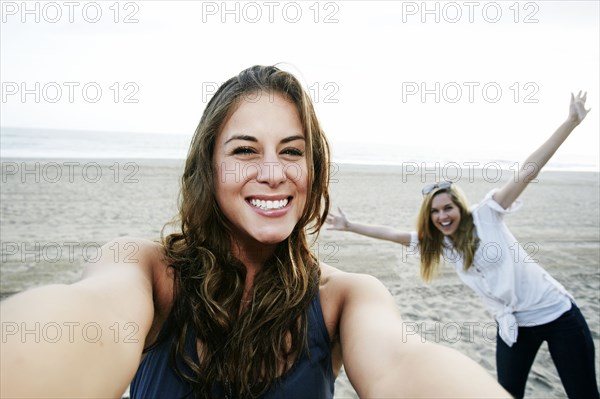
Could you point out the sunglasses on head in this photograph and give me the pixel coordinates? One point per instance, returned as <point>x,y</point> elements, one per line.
<point>430,187</point>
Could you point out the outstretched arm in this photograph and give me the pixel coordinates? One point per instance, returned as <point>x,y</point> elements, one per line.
<point>385,359</point>
<point>536,161</point>
<point>84,339</point>
<point>340,222</point>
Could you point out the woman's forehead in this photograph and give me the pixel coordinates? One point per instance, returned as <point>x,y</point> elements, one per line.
<point>262,116</point>
<point>441,198</point>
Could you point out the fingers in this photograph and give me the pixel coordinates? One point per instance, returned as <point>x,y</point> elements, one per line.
<point>579,97</point>
<point>335,221</point>
<point>578,105</point>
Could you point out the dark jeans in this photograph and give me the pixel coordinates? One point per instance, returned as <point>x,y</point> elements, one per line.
<point>571,348</point>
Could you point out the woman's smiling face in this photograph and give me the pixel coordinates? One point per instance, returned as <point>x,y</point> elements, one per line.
<point>445,214</point>
<point>261,172</point>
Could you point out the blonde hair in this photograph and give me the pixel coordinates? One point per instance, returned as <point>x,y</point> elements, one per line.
<point>431,240</point>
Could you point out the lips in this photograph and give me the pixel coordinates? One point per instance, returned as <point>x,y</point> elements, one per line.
<point>446,227</point>
<point>269,203</point>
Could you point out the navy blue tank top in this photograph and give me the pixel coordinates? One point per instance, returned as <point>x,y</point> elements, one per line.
<point>311,376</point>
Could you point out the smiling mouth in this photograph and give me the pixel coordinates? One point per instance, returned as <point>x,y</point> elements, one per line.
<point>446,224</point>
<point>269,205</point>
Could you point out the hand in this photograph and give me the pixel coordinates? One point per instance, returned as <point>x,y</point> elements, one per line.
<point>337,222</point>
<point>577,111</point>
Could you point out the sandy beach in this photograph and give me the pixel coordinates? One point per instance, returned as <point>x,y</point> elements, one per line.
<point>56,214</point>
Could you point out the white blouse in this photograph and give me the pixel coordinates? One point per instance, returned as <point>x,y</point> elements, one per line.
<point>514,288</point>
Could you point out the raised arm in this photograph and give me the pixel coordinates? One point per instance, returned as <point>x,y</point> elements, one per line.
<point>385,360</point>
<point>340,222</point>
<point>84,339</point>
<point>536,161</point>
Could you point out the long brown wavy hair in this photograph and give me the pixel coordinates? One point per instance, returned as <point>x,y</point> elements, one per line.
<point>431,240</point>
<point>246,350</point>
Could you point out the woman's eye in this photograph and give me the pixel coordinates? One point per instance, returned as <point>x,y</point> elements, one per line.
<point>296,152</point>
<point>243,151</point>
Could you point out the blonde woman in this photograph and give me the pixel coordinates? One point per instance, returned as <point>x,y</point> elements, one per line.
<point>529,305</point>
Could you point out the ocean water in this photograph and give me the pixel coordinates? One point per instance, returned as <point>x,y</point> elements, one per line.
<point>71,144</point>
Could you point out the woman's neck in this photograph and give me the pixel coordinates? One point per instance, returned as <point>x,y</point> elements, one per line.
<point>253,257</point>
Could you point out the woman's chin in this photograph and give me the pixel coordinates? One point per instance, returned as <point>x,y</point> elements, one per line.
<point>272,240</point>
<point>272,237</point>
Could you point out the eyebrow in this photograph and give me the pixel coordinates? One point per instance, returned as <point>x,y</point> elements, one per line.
<point>242,137</point>
<point>293,138</point>
<point>246,137</point>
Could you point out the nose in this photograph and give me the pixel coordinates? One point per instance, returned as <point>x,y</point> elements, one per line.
<point>271,172</point>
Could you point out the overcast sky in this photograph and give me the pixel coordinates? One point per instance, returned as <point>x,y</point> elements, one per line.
<point>491,77</point>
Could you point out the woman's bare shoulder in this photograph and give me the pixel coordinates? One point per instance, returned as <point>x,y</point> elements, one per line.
<point>334,278</point>
<point>135,259</point>
<point>126,251</point>
<point>339,288</point>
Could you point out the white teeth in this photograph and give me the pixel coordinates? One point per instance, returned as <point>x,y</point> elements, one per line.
<point>445,223</point>
<point>268,205</point>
